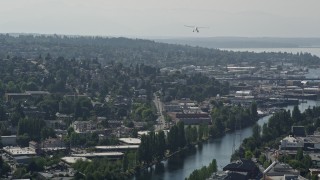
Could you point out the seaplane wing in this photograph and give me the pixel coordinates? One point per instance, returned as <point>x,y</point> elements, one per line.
<point>195,28</point>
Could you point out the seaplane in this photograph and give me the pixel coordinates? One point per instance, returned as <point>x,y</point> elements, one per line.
<point>195,28</point>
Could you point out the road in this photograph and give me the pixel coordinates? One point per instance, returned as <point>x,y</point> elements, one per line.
<point>161,123</point>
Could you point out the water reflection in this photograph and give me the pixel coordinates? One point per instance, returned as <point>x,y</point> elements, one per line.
<point>176,162</point>
<point>159,168</point>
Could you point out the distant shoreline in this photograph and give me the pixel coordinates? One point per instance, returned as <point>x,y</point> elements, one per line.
<point>300,47</point>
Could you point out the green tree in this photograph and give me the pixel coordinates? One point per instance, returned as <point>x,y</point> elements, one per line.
<point>12,88</point>
<point>144,153</point>
<point>188,131</point>
<point>147,115</point>
<point>4,168</point>
<point>19,173</point>
<point>307,161</point>
<point>248,154</point>
<point>296,114</point>
<point>181,134</point>
<point>262,158</point>
<point>299,155</point>
<point>125,162</point>
<point>161,146</point>
<point>200,132</point>
<point>254,111</point>
<point>23,140</point>
<point>3,113</point>
<point>194,134</point>
<point>173,138</point>
<point>36,164</point>
<point>205,172</point>
<point>256,132</point>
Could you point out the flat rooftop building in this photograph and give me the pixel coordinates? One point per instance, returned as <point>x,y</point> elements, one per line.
<point>111,155</point>
<point>130,141</point>
<point>72,160</point>
<point>18,151</point>
<point>140,133</point>
<point>120,147</point>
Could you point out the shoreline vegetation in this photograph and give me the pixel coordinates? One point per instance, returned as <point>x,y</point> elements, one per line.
<point>279,126</point>
<point>205,172</point>
<point>139,169</point>
<point>193,136</point>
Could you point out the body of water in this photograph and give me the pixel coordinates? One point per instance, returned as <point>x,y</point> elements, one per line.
<point>313,51</point>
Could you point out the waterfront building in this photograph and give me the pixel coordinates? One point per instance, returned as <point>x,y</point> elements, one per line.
<point>243,166</point>
<point>291,143</point>
<point>298,139</point>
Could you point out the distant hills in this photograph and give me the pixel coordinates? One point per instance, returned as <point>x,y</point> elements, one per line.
<point>140,51</point>
<point>244,42</point>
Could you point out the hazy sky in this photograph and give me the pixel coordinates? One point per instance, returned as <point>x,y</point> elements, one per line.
<point>277,18</point>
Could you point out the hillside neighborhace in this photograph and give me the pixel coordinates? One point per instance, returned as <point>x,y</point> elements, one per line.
<point>82,107</point>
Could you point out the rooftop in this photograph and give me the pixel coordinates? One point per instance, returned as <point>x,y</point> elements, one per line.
<point>72,160</point>
<point>37,92</point>
<point>117,147</point>
<point>18,151</point>
<point>143,133</point>
<point>98,154</point>
<point>281,169</point>
<point>12,136</point>
<point>130,140</point>
<point>241,165</point>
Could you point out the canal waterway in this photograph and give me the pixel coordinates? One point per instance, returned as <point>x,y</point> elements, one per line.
<point>219,149</point>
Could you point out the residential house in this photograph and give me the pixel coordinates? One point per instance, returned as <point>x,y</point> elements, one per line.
<point>84,126</point>
<point>243,166</point>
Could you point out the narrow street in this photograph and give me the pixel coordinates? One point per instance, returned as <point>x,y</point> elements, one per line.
<point>161,123</point>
